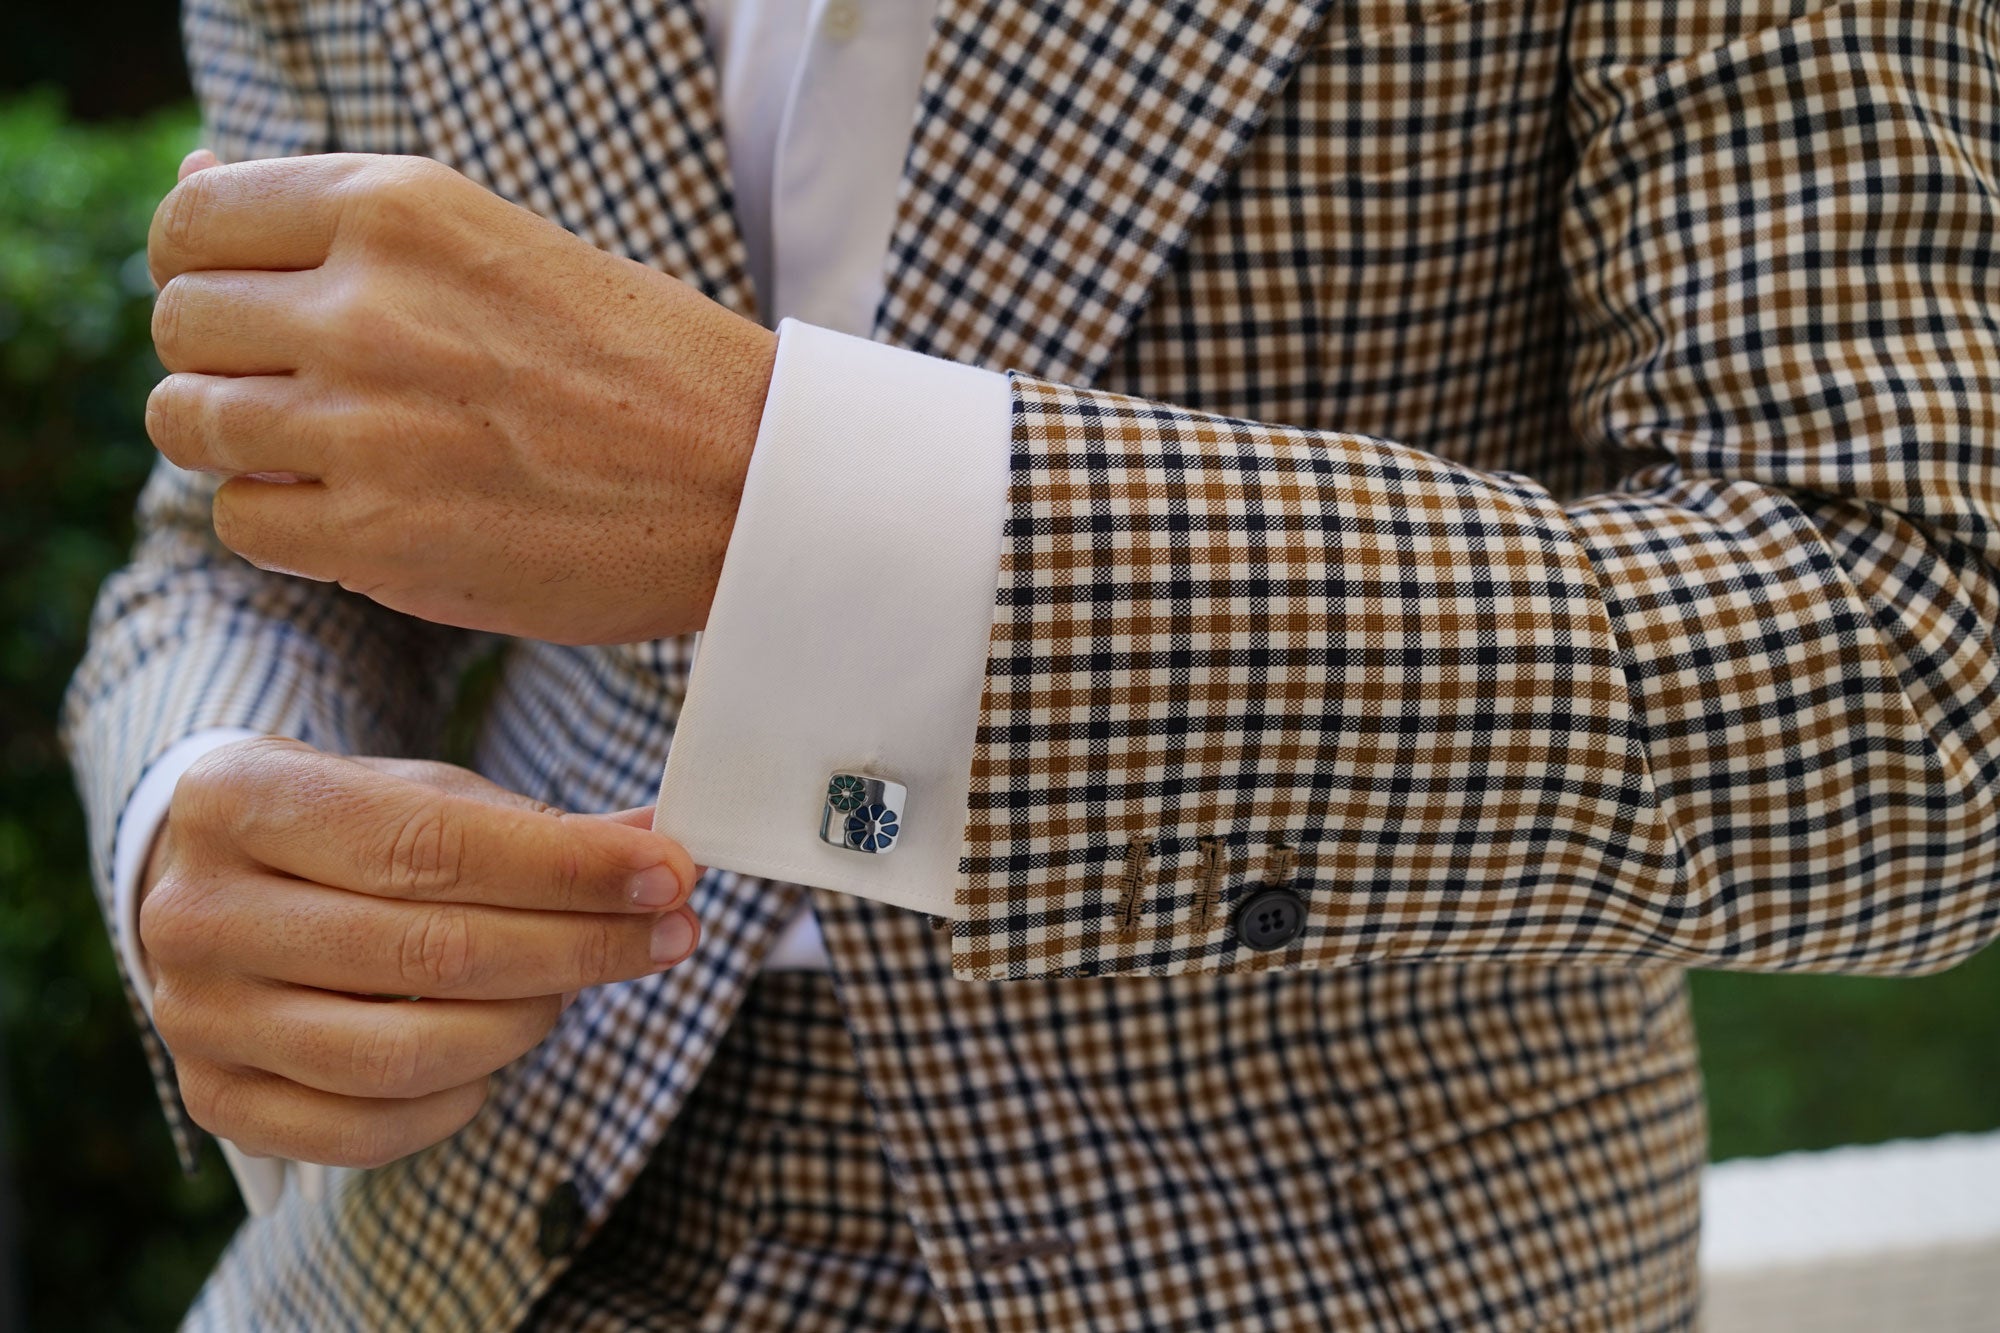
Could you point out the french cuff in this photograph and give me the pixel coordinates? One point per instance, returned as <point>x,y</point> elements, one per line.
<point>827,734</point>
<point>261,1180</point>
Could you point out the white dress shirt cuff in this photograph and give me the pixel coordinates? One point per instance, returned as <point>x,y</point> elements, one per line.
<point>850,625</point>
<point>261,1180</point>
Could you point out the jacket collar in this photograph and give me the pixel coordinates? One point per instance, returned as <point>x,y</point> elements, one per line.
<point>1062,149</point>
<point>604,115</point>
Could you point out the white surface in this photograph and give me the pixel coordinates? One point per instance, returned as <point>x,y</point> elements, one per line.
<point>818,100</point>
<point>850,626</point>
<point>1851,1202</point>
<point>1902,1236</point>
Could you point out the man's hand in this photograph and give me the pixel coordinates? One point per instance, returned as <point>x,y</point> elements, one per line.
<point>439,399</point>
<point>291,891</point>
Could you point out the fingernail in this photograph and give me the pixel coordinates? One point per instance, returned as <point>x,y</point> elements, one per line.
<point>672,938</point>
<point>655,886</point>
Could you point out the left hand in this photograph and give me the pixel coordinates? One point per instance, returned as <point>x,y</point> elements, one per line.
<point>443,401</point>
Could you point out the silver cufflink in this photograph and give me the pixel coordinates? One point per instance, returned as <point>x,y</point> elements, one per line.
<point>862,814</point>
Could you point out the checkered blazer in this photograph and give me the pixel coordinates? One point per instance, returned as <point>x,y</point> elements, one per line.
<point>1522,471</point>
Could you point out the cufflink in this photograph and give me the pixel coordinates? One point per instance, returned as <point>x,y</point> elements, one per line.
<point>862,814</point>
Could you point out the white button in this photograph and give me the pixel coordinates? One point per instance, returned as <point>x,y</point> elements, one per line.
<point>841,20</point>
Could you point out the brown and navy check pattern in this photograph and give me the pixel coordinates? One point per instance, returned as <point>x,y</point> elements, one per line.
<point>768,1204</point>
<point>1736,709</point>
<point>1518,470</point>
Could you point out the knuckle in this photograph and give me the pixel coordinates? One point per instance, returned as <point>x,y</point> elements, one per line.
<point>363,1141</point>
<point>216,790</point>
<point>567,864</point>
<point>426,853</point>
<point>351,316</point>
<point>596,953</point>
<point>389,1059</point>
<point>173,923</point>
<point>411,176</point>
<point>179,215</point>
<point>166,412</point>
<point>214,1099</point>
<point>173,1016</point>
<point>205,790</point>
<point>539,1019</point>
<point>175,421</point>
<point>170,319</point>
<point>234,528</point>
<point>392,194</point>
<point>473,1101</point>
<point>435,955</point>
<point>223,799</point>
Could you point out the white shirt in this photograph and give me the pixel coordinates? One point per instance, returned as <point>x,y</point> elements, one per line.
<point>808,665</point>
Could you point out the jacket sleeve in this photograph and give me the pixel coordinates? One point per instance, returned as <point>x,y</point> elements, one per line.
<point>1740,712</point>
<point>188,636</point>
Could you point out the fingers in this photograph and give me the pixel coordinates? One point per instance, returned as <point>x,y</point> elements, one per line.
<point>334,822</point>
<point>268,1116</point>
<point>230,425</point>
<point>266,926</point>
<point>233,322</point>
<point>267,518</point>
<point>352,1047</point>
<point>279,213</point>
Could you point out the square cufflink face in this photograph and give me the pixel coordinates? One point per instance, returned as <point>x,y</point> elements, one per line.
<point>862,813</point>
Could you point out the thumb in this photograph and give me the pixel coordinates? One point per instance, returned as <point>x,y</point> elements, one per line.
<point>199,160</point>
<point>641,816</point>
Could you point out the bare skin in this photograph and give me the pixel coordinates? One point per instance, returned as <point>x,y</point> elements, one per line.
<point>289,890</point>
<point>437,399</point>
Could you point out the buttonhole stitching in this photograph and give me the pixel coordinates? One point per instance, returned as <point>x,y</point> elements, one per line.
<point>1284,864</point>
<point>1136,853</point>
<point>1210,895</point>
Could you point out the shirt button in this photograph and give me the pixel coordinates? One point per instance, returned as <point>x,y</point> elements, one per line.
<point>841,20</point>
<point>1270,919</point>
<point>561,1221</point>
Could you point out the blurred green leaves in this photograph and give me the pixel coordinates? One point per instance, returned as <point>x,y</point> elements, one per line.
<point>1800,1063</point>
<point>113,1238</point>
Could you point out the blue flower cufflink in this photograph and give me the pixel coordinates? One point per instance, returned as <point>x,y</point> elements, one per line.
<point>862,814</point>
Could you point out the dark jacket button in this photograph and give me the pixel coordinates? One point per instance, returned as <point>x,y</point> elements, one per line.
<point>561,1221</point>
<point>1270,919</point>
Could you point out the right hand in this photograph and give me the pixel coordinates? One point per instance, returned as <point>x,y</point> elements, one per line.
<point>290,890</point>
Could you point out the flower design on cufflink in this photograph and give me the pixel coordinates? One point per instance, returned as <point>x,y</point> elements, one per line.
<point>862,813</point>
<point>846,792</point>
<point>872,828</point>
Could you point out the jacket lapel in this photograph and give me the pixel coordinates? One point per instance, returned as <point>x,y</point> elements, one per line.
<point>604,115</point>
<point>1062,151</point>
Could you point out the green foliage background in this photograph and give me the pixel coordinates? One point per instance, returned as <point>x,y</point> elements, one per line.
<point>112,1237</point>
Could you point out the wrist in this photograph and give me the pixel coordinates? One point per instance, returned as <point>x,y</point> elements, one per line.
<point>728,421</point>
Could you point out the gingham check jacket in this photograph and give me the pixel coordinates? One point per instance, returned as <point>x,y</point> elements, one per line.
<point>1533,461</point>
